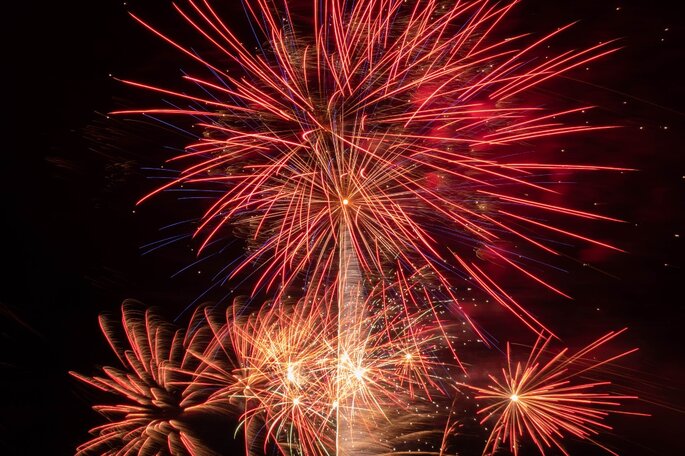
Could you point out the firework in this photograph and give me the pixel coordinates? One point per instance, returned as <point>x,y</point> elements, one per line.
<point>368,164</point>
<point>307,391</point>
<point>389,124</point>
<point>156,406</point>
<point>544,401</point>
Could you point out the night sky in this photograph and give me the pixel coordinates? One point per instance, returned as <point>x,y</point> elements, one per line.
<point>75,241</point>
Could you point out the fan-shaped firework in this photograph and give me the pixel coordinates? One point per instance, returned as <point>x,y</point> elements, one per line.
<point>392,121</point>
<point>301,386</point>
<point>544,401</point>
<point>156,403</point>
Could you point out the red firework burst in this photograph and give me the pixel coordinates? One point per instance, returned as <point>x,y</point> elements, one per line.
<point>391,123</point>
<point>546,401</point>
<point>152,417</point>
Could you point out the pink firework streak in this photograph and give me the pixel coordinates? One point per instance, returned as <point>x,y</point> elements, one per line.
<point>391,121</point>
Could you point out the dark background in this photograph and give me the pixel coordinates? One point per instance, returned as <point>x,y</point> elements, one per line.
<point>72,234</point>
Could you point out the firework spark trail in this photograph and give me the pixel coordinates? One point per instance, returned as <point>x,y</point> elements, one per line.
<point>158,400</point>
<point>544,401</point>
<point>352,326</point>
<point>351,127</point>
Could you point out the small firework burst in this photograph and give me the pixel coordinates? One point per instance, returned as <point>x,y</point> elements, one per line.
<point>152,416</point>
<point>544,401</point>
<point>302,388</point>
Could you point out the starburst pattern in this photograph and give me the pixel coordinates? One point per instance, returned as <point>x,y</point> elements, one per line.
<point>284,366</point>
<point>544,401</point>
<point>392,121</point>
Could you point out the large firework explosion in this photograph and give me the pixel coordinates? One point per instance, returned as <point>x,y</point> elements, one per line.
<point>372,161</point>
<point>392,125</point>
